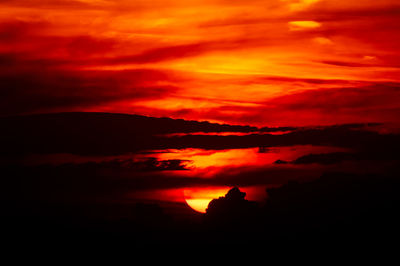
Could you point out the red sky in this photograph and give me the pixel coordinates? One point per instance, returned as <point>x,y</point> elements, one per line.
<point>267,63</point>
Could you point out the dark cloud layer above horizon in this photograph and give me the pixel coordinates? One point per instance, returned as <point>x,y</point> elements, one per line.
<point>102,134</point>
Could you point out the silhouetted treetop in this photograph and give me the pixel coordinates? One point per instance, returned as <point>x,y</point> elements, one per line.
<point>235,194</point>
<point>231,209</point>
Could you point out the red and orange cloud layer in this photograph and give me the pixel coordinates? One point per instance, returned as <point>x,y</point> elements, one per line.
<point>275,62</point>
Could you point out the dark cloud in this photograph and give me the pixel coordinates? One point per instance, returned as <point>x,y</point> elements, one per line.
<point>60,50</point>
<point>373,152</point>
<point>355,104</point>
<point>163,53</point>
<point>328,13</point>
<point>325,100</point>
<point>113,134</point>
<point>325,158</point>
<point>147,164</point>
<point>46,73</point>
<point>346,64</point>
<point>17,30</point>
<point>387,63</point>
<point>44,89</point>
<point>172,52</point>
<point>290,80</point>
<point>101,133</point>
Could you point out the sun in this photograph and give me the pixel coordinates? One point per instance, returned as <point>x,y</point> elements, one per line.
<point>199,198</point>
<point>199,205</point>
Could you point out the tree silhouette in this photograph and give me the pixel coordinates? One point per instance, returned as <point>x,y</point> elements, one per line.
<point>232,210</point>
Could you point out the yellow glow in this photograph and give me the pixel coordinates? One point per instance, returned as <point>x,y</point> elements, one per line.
<point>204,159</point>
<point>225,63</point>
<point>199,205</point>
<point>199,198</point>
<point>303,25</point>
<point>298,5</point>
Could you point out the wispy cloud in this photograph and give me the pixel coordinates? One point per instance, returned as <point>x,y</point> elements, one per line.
<point>201,60</point>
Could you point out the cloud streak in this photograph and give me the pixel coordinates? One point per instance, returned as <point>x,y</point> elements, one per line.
<point>257,63</point>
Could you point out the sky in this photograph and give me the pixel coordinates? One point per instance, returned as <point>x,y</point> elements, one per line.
<point>135,116</point>
<point>263,63</point>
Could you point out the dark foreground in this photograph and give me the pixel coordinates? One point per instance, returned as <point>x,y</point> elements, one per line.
<point>82,202</point>
<point>337,208</point>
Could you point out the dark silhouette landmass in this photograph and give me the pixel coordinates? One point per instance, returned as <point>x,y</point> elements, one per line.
<point>336,208</point>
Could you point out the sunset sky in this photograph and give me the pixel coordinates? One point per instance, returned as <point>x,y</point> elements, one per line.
<point>229,121</point>
<point>264,63</point>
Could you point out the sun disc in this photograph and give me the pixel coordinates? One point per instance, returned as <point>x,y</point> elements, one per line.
<point>199,198</point>
<point>199,205</point>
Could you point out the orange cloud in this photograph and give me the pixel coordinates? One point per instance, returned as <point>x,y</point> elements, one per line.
<point>216,60</point>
